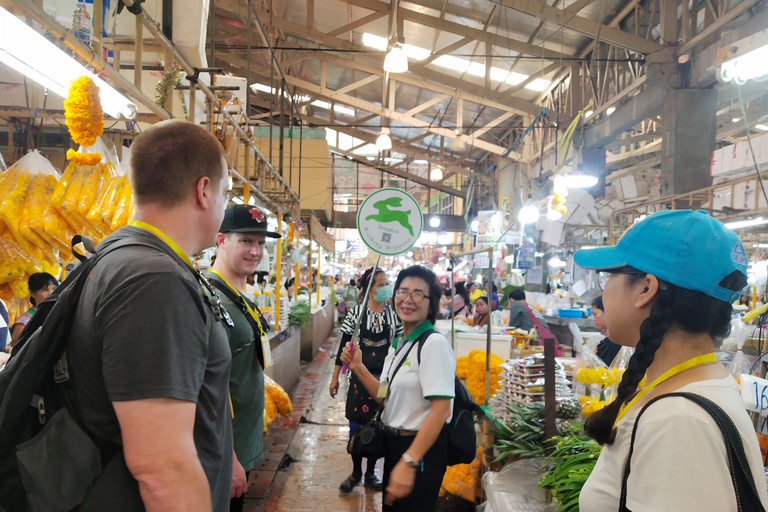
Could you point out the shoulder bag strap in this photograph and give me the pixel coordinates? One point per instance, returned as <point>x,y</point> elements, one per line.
<point>422,340</point>
<point>747,498</point>
<point>392,378</point>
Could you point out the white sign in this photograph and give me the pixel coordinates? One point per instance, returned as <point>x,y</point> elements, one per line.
<point>754,393</point>
<point>534,275</point>
<point>390,221</point>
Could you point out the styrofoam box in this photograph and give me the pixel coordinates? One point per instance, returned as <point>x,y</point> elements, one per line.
<point>467,341</point>
<point>716,166</point>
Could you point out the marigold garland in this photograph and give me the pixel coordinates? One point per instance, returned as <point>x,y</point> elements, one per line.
<point>83,113</point>
<point>77,159</point>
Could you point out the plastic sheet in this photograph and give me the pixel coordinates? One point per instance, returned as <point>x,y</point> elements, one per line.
<point>516,487</point>
<point>740,363</point>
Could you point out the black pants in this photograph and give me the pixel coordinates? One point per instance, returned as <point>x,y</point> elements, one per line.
<point>426,487</point>
<point>236,504</point>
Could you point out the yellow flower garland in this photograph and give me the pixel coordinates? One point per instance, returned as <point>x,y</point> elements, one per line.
<point>76,158</point>
<point>83,113</point>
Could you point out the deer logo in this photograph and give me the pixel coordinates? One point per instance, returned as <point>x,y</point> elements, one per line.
<point>387,215</point>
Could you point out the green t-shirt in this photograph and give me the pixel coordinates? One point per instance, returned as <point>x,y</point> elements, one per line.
<point>246,385</point>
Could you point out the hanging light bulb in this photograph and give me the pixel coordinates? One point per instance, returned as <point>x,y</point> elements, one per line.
<point>554,214</point>
<point>458,143</point>
<point>436,174</point>
<point>396,61</point>
<point>475,225</point>
<point>434,221</point>
<point>383,141</point>
<point>529,214</point>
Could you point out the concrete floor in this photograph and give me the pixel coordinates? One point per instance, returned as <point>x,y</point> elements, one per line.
<point>305,455</point>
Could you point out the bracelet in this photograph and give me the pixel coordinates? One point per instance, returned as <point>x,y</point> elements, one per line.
<point>411,463</point>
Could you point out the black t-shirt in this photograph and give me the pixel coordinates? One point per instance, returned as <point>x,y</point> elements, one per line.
<point>144,330</point>
<point>607,350</point>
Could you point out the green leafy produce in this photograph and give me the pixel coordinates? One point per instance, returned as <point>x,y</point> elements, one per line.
<point>299,314</point>
<point>569,466</point>
<point>523,435</point>
<point>568,408</point>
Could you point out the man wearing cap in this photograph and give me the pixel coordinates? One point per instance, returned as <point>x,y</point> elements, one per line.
<point>240,243</point>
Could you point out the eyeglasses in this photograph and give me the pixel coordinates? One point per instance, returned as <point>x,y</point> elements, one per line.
<point>604,275</point>
<point>417,296</point>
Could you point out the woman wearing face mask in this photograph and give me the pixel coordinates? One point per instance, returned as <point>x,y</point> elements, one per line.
<point>668,287</point>
<point>378,328</point>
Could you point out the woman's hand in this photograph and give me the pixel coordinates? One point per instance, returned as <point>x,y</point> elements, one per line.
<point>334,386</point>
<point>352,356</point>
<point>400,482</point>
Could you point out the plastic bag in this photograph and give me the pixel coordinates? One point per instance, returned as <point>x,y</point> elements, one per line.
<point>81,185</point>
<point>740,363</point>
<point>516,487</point>
<point>461,479</point>
<point>25,203</point>
<point>617,368</point>
<point>116,205</point>
<point>278,396</point>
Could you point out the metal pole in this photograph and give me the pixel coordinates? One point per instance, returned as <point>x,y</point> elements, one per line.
<point>488,329</point>
<point>453,293</point>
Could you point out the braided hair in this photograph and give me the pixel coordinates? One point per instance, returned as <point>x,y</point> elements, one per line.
<point>691,311</point>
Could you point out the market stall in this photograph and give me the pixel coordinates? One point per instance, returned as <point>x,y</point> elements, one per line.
<point>321,321</point>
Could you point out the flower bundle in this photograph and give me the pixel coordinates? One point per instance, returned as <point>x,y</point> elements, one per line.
<point>471,368</point>
<point>83,113</point>
<point>462,479</point>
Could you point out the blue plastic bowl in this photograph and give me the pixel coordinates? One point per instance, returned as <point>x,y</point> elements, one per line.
<point>570,313</point>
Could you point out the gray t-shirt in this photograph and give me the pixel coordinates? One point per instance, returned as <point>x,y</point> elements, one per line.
<point>144,330</point>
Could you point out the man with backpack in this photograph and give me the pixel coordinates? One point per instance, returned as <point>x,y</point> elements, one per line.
<point>145,422</point>
<point>240,243</point>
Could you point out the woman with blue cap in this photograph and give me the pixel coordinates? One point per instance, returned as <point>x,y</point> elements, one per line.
<point>684,441</point>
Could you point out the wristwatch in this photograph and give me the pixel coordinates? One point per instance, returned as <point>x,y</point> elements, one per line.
<point>408,460</point>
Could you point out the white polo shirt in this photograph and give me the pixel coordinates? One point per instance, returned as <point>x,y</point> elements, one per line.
<point>679,461</point>
<point>413,385</point>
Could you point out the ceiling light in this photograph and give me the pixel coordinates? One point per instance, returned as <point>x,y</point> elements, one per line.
<point>434,221</point>
<point>475,225</point>
<point>735,119</point>
<point>529,214</point>
<point>761,127</point>
<point>31,54</point>
<point>436,174</point>
<point>458,143</point>
<point>588,114</point>
<point>556,262</point>
<point>578,180</point>
<point>383,141</point>
<point>746,223</point>
<point>396,61</point>
<point>509,259</point>
<point>610,110</point>
<point>744,60</point>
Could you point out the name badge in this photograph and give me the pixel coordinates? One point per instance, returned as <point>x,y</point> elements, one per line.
<point>267,351</point>
<point>383,388</point>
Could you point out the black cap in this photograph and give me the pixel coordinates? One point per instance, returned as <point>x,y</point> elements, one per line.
<point>243,218</point>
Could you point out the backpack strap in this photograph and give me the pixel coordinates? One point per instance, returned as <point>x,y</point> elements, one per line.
<point>747,498</point>
<point>422,340</point>
<point>240,301</point>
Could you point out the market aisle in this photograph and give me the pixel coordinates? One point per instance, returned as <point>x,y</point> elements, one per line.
<point>313,441</point>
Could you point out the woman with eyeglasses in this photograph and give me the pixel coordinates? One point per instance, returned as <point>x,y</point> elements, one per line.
<point>378,328</point>
<point>418,381</point>
<point>673,445</point>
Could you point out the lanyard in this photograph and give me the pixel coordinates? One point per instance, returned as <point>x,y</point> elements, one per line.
<point>165,238</point>
<point>687,365</point>
<point>247,306</point>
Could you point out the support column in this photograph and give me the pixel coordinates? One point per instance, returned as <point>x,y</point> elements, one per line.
<point>690,125</point>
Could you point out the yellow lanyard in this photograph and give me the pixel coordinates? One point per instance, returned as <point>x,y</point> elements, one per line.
<point>247,306</point>
<point>165,238</point>
<point>687,365</point>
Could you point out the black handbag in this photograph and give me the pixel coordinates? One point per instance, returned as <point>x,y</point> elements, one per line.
<point>368,441</point>
<point>747,497</point>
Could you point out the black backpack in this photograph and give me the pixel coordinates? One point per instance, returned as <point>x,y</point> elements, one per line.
<point>461,436</point>
<point>32,402</point>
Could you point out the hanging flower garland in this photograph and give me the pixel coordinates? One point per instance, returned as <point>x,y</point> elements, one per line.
<point>83,113</point>
<point>76,158</point>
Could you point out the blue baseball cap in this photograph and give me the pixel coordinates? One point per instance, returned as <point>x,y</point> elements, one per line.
<point>686,248</point>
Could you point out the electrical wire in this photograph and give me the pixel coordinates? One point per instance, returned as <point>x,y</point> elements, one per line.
<point>749,140</point>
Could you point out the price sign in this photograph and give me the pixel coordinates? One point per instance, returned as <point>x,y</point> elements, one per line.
<point>754,393</point>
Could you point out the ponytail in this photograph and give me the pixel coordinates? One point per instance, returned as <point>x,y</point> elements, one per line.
<point>691,311</point>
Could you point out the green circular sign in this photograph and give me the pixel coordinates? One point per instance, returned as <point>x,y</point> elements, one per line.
<point>390,221</point>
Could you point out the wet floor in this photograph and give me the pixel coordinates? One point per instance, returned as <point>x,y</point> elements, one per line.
<point>305,455</point>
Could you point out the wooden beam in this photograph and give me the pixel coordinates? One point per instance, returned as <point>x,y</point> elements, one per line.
<point>356,24</point>
<point>448,49</point>
<point>717,25</point>
<point>358,84</point>
<point>434,101</point>
<point>584,26</point>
